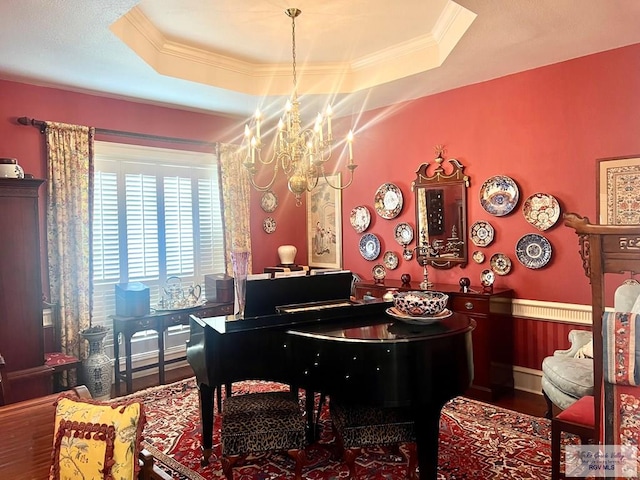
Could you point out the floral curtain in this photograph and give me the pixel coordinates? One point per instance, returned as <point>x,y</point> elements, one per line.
<point>236,194</point>
<point>69,204</point>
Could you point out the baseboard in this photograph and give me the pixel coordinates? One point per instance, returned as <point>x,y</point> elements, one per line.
<point>527,380</point>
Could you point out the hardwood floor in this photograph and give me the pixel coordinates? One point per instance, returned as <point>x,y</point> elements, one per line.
<point>519,401</point>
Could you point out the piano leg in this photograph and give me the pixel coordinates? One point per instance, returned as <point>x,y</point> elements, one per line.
<point>427,425</point>
<point>206,420</point>
<point>309,404</point>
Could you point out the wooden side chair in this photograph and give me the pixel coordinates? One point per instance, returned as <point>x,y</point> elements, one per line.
<point>357,426</point>
<point>5,396</point>
<point>59,361</point>
<point>261,422</point>
<point>578,419</point>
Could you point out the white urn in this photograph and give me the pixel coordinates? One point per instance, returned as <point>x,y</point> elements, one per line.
<point>287,254</point>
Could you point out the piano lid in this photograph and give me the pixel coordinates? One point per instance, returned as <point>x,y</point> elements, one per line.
<point>265,295</point>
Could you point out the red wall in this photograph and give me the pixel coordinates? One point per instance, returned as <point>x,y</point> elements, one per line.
<point>545,128</point>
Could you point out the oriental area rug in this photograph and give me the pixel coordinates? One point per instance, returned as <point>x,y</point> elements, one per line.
<point>478,441</point>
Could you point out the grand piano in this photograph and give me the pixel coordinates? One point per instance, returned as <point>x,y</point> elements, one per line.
<point>305,332</point>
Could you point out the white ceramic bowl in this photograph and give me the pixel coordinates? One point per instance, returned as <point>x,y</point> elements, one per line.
<point>421,303</point>
<point>9,168</point>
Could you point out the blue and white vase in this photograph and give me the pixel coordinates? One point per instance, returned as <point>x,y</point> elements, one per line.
<point>96,368</point>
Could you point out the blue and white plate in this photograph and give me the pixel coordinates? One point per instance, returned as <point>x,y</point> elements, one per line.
<point>500,263</point>
<point>369,246</point>
<point>533,251</point>
<point>499,195</point>
<point>481,233</point>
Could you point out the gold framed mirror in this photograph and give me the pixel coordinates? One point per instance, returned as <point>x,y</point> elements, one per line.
<point>441,213</point>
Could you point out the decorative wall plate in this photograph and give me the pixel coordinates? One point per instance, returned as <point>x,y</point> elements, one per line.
<point>390,260</point>
<point>403,233</point>
<point>499,195</point>
<point>369,246</point>
<point>481,233</point>
<point>407,253</point>
<point>269,201</point>
<point>487,277</point>
<point>388,201</point>
<point>533,251</point>
<point>478,256</point>
<point>500,263</point>
<point>360,218</point>
<point>378,271</point>
<point>541,210</point>
<point>269,225</point>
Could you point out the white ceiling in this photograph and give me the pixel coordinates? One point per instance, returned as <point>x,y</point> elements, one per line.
<point>231,56</point>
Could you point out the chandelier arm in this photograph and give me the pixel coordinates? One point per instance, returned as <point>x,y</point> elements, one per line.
<point>312,180</point>
<point>264,188</point>
<point>274,155</point>
<point>336,187</point>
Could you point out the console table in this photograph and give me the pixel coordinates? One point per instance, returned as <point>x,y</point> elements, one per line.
<point>159,322</point>
<point>492,337</point>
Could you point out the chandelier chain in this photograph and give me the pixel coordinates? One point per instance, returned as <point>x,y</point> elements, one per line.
<point>300,151</point>
<point>293,54</point>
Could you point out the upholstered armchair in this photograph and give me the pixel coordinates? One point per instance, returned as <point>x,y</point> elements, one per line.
<point>567,375</point>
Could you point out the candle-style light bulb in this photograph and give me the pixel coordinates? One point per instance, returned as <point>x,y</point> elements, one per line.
<point>350,142</point>
<point>287,109</point>
<point>253,150</point>
<point>310,150</point>
<point>280,129</point>
<point>258,116</point>
<point>318,127</point>
<point>329,113</point>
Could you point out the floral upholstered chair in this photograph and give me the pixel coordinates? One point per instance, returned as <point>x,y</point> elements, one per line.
<point>567,375</point>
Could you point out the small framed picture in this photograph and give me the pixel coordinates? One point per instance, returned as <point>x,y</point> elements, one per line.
<point>618,186</point>
<point>324,224</point>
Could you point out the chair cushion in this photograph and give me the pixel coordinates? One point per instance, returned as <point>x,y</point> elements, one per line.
<point>54,359</point>
<point>581,412</point>
<point>360,426</point>
<point>96,440</point>
<point>260,422</point>
<point>572,376</point>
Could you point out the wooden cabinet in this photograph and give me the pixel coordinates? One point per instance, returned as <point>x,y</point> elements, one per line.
<point>492,338</point>
<point>21,332</point>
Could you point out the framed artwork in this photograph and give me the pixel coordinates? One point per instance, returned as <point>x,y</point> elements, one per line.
<point>619,191</point>
<point>324,224</point>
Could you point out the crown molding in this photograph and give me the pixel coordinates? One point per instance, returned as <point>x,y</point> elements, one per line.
<point>188,62</point>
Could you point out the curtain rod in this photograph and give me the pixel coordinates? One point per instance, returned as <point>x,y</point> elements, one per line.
<point>41,124</point>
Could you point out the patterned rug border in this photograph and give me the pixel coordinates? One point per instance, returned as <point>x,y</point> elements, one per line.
<point>172,464</point>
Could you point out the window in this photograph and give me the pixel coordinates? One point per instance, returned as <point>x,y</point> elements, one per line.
<point>157,215</point>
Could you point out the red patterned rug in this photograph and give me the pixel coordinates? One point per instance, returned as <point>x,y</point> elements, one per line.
<point>477,441</point>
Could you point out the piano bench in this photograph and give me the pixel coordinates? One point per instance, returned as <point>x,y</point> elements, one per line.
<point>261,422</point>
<point>358,426</point>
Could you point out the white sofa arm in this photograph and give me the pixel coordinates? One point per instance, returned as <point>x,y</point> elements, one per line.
<point>578,339</point>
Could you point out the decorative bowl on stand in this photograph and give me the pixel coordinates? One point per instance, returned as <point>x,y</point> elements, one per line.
<point>420,303</point>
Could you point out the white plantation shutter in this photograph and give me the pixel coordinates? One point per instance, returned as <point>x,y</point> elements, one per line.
<point>141,213</point>
<point>179,222</point>
<point>210,241</point>
<point>157,214</point>
<point>105,227</point>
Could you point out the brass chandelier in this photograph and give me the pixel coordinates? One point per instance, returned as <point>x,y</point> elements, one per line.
<point>301,152</point>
